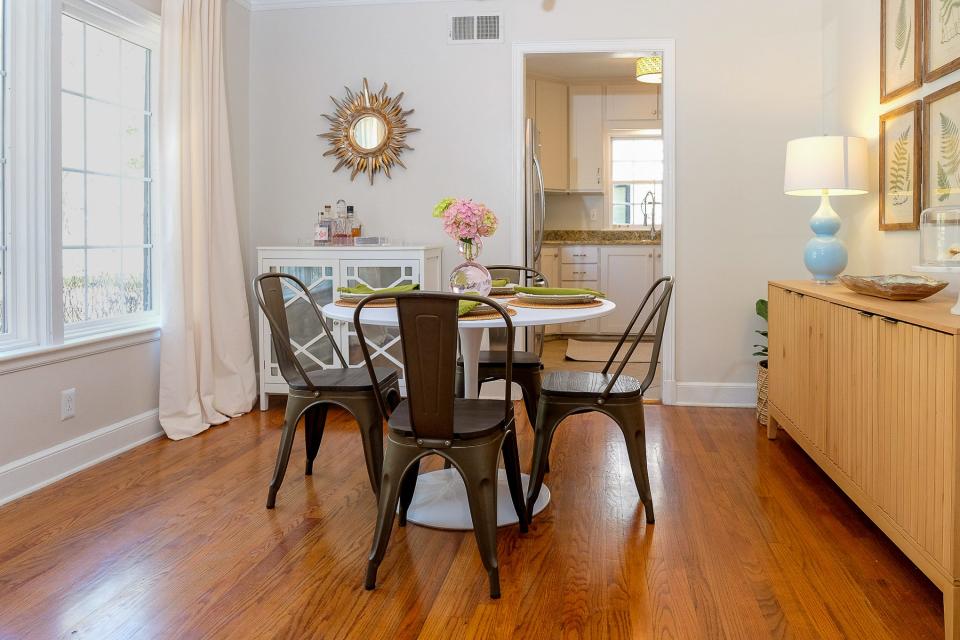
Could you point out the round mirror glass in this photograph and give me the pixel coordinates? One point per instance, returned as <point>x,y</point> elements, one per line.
<point>368,132</point>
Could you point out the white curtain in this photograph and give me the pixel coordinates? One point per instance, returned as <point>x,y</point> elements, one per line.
<point>207,363</point>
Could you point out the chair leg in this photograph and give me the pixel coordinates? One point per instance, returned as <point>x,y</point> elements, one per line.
<point>529,381</point>
<point>368,417</point>
<point>407,487</point>
<point>478,466</point>
<point>314,421</point>
<point>631,422</point>
<point>459,384</point>
<point>548,419</point>
<point>511,463</point>
<point>295,407</point>
<point>395,463</point>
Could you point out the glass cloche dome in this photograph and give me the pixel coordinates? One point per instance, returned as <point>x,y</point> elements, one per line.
<point>940,236</point>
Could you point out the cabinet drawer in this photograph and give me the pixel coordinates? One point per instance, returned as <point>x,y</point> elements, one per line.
<point>578,272</point>
<point>578,255</point>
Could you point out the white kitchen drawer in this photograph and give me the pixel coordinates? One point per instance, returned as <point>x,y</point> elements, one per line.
<point>579,255</point>
<point>579,272</point>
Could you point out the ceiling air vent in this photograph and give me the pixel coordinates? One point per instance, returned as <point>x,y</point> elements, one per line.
<point>472,29</point>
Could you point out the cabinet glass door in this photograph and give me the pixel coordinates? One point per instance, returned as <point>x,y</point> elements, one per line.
<point>309,343</point>
<point>383,342</point>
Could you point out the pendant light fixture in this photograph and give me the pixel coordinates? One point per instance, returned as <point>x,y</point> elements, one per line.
<point>650,69</point>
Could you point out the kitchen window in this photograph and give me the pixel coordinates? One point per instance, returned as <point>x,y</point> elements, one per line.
<point>636,179</point>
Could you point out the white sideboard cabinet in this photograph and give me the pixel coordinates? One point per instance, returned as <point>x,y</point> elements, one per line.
<point>323,270</point>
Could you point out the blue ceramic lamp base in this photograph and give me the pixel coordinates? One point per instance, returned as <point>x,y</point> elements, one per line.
<point>825,255</point>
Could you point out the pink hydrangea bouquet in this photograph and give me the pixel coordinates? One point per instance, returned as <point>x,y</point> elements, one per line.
<point>465,220</point>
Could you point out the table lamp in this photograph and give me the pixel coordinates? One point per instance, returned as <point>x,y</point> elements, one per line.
<point>826,166</point>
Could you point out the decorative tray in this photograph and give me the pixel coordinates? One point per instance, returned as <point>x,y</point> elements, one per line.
<point>894,287</point>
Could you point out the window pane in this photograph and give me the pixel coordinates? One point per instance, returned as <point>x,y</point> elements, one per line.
<point>71,70</point>
<point>637,159</point>
<point>71,131</point>
<point>105,297</point>
<point>102,65</point>
<point>133,76</point>
<point>103,211</point>
<point>134,277</point>
<point>621,193</point>
<point>73,207</point>
<point>132,212</point>
<point>621,214</point>
<point>103,133</point>
<point>74,276</point>
<point>133,142</point>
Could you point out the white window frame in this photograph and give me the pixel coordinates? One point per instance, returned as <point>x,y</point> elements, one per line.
<point>33,169</point>
<point>611,134</point>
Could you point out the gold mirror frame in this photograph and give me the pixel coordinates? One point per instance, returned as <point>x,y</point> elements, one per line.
<point>352,109</point>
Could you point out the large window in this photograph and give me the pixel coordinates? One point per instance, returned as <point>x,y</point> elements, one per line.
<point>106,181</point>
<point>636,171</point>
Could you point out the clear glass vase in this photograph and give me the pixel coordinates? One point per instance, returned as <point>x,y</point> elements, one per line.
<point>470,276</point>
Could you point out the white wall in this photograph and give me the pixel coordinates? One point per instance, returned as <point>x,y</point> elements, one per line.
<point>748,79</point>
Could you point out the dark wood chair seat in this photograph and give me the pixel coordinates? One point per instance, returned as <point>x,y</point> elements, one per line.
<point>351,379</point>
<point>589,384</point>
<point>471,418</point>
<point>498,358</point>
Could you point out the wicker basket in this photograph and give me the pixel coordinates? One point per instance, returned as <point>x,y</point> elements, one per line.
<point>763,373</point>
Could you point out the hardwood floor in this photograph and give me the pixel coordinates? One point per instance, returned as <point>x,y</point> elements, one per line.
<point>172,540</point>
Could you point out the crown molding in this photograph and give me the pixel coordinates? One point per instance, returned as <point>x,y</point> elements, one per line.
<point>270,5</point>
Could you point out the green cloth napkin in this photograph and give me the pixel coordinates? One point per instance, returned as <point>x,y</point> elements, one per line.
<point>500,282</point>
<point>555,291</point>
<point>362,288</point>
<point>466,306</point>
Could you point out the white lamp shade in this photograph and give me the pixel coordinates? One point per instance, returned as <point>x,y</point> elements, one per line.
<point>826,165</point>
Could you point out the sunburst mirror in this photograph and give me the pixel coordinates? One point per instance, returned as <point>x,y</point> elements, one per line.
<point>368,132</point>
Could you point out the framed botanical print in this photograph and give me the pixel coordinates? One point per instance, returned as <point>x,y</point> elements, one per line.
<point>900,50</point>
<point>900,137</point>
<point>941,147</point>
<point>941,38</point>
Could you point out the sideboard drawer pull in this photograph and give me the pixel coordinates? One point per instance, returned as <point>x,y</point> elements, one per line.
<point>890,320</point>
<point>866,314</point>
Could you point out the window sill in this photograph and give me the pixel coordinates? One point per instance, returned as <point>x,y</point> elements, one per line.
<point>40,356</point>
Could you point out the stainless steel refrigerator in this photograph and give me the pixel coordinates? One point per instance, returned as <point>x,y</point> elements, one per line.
<point>535,212</point>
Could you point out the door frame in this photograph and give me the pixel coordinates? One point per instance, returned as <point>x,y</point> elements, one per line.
<point>668,117</point>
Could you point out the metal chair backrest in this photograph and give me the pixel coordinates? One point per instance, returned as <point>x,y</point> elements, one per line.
<point>523,276</point>
<point>660,310</point>
<point>428,336</point>
<point>268,288</point>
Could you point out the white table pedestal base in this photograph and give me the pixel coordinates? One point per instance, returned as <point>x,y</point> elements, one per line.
<point>440,501</point>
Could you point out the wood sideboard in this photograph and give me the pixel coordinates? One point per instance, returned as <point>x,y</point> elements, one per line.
<point>868,388</point>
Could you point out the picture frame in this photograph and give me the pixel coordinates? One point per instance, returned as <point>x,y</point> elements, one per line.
<point>941,37</point>
<point>901,50</point>
<point>901,137</point>
<point>941,147</point>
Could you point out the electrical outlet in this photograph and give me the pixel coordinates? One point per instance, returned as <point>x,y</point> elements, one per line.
<point>593,214</point>
<point>68,404</point>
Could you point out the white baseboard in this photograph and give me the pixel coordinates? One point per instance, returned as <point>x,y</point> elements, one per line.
<point>23,476</point>
<point>715,394</point>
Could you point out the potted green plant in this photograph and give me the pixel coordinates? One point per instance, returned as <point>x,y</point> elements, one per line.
<point>762,370</point>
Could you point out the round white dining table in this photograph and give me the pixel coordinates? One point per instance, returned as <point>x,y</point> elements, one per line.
<point>440,500</point>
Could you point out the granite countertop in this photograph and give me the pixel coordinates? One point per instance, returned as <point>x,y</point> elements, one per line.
<point>556,238</point>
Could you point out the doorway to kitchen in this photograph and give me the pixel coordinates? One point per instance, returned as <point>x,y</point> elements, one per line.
<point>597,121</point>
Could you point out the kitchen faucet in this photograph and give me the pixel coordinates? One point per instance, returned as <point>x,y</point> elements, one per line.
<point>650,198</point>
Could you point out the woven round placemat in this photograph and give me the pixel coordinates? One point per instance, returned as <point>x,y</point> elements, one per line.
<point>492,314</point>
<point>387,302</point>
<point>517,302</point>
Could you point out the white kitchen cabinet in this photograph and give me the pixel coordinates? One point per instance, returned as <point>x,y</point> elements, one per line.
<point>552,125</point>
<point>626,273</point>
<point>586,138</point>
<point>323,270</point>
<point>550,268</point>
<point>632,101</point>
